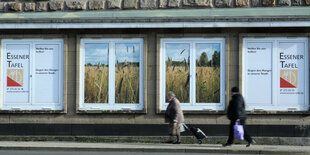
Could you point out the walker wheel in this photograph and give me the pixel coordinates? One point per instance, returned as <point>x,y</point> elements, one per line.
<point>199,141</point>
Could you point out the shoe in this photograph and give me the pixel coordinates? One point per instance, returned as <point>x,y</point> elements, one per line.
<point>176,142</point>
<point>251,143</point>
<point>227,144</point>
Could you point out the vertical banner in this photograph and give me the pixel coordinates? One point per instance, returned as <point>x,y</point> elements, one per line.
<point>47,73</point>
<point>17,69</point>
<point>292,73</point>
<point>258,73</point>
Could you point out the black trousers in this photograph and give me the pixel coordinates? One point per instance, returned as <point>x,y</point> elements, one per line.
<point>231,132</point>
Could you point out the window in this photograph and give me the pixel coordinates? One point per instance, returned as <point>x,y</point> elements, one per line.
<point>276,74</point>
<point>32,74</point>
<point>194,69</point>
<point>111,76</point>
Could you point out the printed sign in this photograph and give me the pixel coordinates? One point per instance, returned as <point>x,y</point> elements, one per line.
<point>17,73</point>
<point>258,70</point>
<point>275,73</point>
<point>292,72</point>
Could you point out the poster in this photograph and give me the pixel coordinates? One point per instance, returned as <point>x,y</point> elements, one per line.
<point>292,73</point>
<point>33,72</point>
<point>275,72</point>
<point>17,63</point>
<point>258,73</point>
<point>46,73</point>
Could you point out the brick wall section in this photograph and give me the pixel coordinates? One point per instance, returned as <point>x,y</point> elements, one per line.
<point>91,5</point>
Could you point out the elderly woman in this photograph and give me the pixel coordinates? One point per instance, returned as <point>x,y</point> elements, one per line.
<point>174,116</point>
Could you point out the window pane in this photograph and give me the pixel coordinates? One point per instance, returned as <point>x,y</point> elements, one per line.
<point>18,73</point>
<point>208,73</point>
<point>96,81</point>
<point>127,76</point>
<point>47,73</point>
<point>177,70</point>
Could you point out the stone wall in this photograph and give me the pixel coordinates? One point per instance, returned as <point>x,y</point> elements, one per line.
<point>91,5</point>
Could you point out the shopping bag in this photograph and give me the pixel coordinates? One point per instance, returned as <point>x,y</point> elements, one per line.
<point>238,131</point>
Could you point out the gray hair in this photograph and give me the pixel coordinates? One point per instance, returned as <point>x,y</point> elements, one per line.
<point>170,94</point>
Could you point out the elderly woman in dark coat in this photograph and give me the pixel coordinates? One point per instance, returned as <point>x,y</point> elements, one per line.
<point>174,116</point>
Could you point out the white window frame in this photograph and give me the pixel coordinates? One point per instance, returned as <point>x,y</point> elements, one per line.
<point>274,105</point>
<point>192,106</point>
<point>32,104</point>
<point>111,105</point>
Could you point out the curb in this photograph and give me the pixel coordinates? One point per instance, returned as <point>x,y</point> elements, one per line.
<point>136,147</point>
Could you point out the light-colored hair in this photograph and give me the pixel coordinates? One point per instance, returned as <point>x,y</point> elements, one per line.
<point>170,94</point>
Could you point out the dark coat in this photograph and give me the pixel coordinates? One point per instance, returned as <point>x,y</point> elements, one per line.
<point>174,111</point>
<point>236,108</point>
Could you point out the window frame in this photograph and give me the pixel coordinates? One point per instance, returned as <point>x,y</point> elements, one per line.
<point>274,105</point>
<point>192,106</point>
<point>34,107</point>
<point>111,106</point>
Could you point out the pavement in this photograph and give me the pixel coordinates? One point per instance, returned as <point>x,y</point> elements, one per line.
<point>156,147</point>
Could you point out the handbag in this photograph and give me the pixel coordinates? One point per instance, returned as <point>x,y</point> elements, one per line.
<point>238,131</point>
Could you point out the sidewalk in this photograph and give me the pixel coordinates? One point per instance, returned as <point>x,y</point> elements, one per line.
<point>142,147</point>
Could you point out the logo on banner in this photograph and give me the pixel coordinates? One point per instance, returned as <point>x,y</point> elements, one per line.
<point>288,78</point>
<point>15,77</point>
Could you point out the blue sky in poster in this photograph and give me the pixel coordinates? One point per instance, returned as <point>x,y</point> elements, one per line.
<point>128,52</point>
<point>174,51</point>
<point>209,48</point>
<point>96,53</point>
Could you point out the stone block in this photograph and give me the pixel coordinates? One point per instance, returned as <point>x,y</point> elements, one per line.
<point>41,6</point>
<point>242,3</point>
<point>198,3</point>
<point>268,3</point>
<point>148,4</point>
<point>114,4</point>
<point>30,7</point>
<point>56,5</point>
<point>130,4</point>
<point>297,2</point>
<point>163,3</point>
<point>255,3</point>
<point>284,2</point>
<point>174,3</point>
<point>2,6</point>
<point>76,4</point>
<point>16,7</point>
<point>96,4</point>
<point>223,3</point>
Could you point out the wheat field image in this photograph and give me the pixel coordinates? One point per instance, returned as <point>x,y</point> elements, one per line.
<point>207,72</point>
<point>96,76</point>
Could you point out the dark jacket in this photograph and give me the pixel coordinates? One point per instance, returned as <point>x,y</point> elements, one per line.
<point>236,108</point>
<point>174,111</point>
